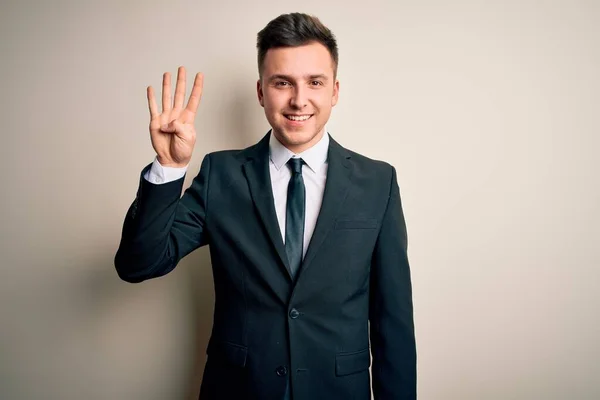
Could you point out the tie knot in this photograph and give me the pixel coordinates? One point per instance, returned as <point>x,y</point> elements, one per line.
<point>296,165</point>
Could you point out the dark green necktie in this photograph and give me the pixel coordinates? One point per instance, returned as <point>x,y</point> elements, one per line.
<point>294,220</point>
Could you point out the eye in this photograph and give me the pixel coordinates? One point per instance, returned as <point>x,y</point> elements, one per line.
<point>282,83</point>
<point>316,83</point>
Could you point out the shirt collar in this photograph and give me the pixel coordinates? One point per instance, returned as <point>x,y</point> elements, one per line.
<point>314,157</point>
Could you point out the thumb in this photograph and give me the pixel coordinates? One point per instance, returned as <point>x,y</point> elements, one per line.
<point>171,127</point>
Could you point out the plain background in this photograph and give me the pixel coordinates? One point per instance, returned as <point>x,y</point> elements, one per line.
<point>488,110</point>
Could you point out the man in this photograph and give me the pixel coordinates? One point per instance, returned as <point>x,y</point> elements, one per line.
<point>307,239</point>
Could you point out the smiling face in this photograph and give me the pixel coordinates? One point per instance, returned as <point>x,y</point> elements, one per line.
<point>298,89</point>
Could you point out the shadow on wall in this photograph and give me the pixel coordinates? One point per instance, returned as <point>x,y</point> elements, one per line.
<point>243,126</point>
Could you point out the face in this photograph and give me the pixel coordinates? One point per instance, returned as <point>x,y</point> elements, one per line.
<point>298,91</point>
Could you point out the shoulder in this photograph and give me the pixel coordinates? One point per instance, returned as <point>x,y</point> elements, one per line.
<point>370,168</point>
<point>223,155</point>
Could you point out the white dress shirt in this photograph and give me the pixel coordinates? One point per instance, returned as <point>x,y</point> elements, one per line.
<point>314,173</point>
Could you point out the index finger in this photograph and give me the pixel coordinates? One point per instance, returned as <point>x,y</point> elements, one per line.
<point>196,94</point>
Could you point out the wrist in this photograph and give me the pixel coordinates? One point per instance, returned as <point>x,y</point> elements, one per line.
<point>171,164</point>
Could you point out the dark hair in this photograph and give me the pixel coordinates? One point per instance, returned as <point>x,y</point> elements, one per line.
<point>292,30</point>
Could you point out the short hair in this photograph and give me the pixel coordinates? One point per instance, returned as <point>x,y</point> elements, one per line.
<point>293,30</point>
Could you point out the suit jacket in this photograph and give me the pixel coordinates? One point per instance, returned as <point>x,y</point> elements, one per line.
<point>269,328</point>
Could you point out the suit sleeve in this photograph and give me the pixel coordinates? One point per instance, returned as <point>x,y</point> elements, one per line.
<point>390,308</point>
<point>161,226</point>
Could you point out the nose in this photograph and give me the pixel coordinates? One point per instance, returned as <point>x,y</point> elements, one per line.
<point>298,99</point>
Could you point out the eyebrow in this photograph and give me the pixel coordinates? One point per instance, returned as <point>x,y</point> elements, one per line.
<point>289,78</point>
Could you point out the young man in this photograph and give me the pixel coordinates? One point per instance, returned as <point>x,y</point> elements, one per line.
<point>307,239</point>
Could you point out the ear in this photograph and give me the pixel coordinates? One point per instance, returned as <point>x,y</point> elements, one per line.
<point>259,93</point>
<point>336,93</point>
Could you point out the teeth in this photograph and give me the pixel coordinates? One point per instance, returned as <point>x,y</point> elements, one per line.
<point>298,117</point>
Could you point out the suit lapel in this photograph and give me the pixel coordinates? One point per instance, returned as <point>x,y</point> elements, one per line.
<point>339,173</point>
<point>256,170</point>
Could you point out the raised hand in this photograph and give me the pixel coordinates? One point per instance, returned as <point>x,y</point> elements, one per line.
<point>172,132</point>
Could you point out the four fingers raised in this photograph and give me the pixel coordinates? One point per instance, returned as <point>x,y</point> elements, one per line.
<point>193,101</point>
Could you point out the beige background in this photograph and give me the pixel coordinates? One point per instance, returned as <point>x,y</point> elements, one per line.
<point>488,110</point>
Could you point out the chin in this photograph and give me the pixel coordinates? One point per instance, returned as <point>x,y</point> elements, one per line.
<point>297,138</point>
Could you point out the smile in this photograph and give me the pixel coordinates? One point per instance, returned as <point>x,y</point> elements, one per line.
<point>298,117</point>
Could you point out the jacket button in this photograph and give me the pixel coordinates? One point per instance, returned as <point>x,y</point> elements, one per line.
<point>281,371</point>
<point>294,313</point>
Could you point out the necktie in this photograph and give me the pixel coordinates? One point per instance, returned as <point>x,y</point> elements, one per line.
<point>294,220</point>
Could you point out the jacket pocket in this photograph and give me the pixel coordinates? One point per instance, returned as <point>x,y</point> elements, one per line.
<point>233,353</point>
<point>350,363</point>
<point>356,224</point>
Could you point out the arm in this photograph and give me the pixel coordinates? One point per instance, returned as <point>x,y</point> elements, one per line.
<point>390,309</point>
<point>161,228</point>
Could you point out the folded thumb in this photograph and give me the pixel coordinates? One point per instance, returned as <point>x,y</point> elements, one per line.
<point>170,127</point>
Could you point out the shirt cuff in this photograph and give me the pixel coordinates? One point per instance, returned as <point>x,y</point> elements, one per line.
<point>157,174</point>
